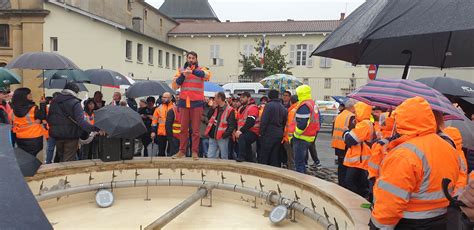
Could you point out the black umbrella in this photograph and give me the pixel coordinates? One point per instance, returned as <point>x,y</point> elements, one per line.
<point>466,127</point>
<point>449,86</point>
<point>119,122</point>
<point>405,32</point>
<point>59,84</point>
<point>20,210</point>
<point>148,88</point>
<point>28,163</point>
<point>41,61</point>
<point>107,78</point>
<point>74,75</point>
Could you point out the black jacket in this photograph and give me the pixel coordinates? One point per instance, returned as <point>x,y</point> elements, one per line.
<point>63,108</point>
<point>169,123</point>
<point>231,122</point>
<point>273,121</point>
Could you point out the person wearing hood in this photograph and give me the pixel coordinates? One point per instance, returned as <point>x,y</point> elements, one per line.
<point>272,128</point>
<point>26,120</point>
<point>408,193</point>
<point>248,127</point>
<point>307,126</point>
<point>158,125</point>
<point>67,123</point>
<point>358,154</point>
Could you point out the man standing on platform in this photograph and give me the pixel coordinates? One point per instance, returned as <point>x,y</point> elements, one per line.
<point>190,79</point>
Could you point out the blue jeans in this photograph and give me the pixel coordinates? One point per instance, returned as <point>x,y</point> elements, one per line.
<point>203,147</point>
<point>222,145</point>
<point>50,150</point>
<point>300,149</point>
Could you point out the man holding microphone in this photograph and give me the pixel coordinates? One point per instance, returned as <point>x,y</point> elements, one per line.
<point>190,79</point>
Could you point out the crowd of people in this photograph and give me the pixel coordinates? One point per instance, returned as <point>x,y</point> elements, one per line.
<point>395,159</point>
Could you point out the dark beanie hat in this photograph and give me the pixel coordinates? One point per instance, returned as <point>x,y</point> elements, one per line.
<point>72,86</point>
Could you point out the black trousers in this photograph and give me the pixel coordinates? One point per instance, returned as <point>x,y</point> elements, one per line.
<point>245,146</point>
<point>30,145</point>
<point>173,145</point>
<point>356,181</point>
<point>341,168</point>
<point>146,140</point>
<point>162,142</point>
<point>90,151</point>
<point>313,153</point>
<point>435,223</point>
<point>269,153</point>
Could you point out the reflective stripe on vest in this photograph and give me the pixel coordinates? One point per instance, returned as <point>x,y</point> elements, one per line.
<point>356,159</point>
<point>223,124</point>
<point>243,117</point>
<point>381,226</point>
<point>423,194</point>
<point>373,165</point>
<point>424,214</point>
<point>176,123</point>
<point>309,133</point>
<point>25,127</point>
<point>338,131</point>
<point>192,88</point>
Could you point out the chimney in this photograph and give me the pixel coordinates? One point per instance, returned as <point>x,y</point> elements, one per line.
<point>343,16</point>
<point>227,20</point>
<point>290,20</point>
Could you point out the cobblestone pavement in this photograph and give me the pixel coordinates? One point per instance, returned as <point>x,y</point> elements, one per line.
<point>328,169</point>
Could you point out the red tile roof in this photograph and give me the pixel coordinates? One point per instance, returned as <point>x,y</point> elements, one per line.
<point>255,27</point>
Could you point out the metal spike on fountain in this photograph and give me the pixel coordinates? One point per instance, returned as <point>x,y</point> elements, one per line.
<point>242,181</point>
<point>90,178</point>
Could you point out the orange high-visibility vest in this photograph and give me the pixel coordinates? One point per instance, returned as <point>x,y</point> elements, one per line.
<point>341,124</point>
<point>26,127</point>
<point>252,108</point>
<point>290,123</point>
<point>378,150</point>
<point>176,122</point>
<point>409,185</point>
<point>159,118</point>
<point>358,156</point>
<point>309,133</point>
<point>192,88</point>
<point>88,118</point>
<point>222,123</point>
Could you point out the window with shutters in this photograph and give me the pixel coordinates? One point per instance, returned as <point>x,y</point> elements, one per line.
<point>174,61</point>
<point>248,49</point>
<point>4,35</point>
<point>179,62</point>
<point>150,55</point>
<point>167,60</point>
<point>215,56</point>
<point>327,83</point>
<point>139,53</point>
<point>301,54</point>
<point>324,62</point>
<point>160,58</point>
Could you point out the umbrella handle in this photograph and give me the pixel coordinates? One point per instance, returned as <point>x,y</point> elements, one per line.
<point>407,65</point>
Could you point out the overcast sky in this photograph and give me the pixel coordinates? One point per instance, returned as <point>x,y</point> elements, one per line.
<point>265,10</point>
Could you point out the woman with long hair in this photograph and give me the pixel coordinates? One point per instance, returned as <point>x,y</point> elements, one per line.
<point>26,120</point>
<point>90,151</point>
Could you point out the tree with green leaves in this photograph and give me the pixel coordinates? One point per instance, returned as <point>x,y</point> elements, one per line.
<point>275,62</point>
